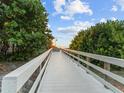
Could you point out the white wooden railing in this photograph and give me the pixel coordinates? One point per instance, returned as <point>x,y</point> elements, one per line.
<point>107,61</point>
<point>14,81</point>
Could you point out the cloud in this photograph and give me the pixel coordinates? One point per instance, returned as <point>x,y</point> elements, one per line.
<point>76,27</point>
<point>44,3</point>
<point>68,33</point>
<point>71,8</point>
<point>113,19</point>
<point>114,8</point>
<point>78,7</point>
<point>93,19</point>
<point>103,20</point>
<point>58,5</point>
<point>119,4</point>
<point>49,26</point>
<point>66,18</point>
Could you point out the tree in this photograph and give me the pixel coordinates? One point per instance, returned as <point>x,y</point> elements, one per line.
<point>23,29</point>
<point>102,39</point>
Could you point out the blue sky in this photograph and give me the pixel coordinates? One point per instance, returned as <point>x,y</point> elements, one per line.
<point>68,17</point>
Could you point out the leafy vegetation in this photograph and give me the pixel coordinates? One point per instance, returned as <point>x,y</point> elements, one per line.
<point>23,29</point>
<point>103,38</point>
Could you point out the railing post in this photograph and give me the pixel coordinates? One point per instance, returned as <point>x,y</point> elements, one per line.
<point>107,67</point>
<point>88,60</point>
<point>40,67</point>
<point>78,57</point>
<point>72,58</point>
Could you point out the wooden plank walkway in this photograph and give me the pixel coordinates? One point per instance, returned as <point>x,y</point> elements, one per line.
<point>64,76</point>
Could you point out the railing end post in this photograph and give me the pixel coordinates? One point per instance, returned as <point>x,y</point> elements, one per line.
<point>9,85</point>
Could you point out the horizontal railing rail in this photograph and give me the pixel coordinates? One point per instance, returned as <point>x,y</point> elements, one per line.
<point>106,59</point>
<point>105,70</point>
<point>15,80</point>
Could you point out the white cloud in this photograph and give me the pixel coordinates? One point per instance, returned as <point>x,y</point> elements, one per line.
<point>67,18</point>
<point>71,7</point>
<point>120,3</point>
<point>68,33</point>
<point>76,27</point>
<point>93,19</point>
<point>103,20</point>
<point>49,26</point>
<point>44,3</point>
<point>78,7</point>
<point>58,5</point>
<point>114,8</point>
<point>113,19</point>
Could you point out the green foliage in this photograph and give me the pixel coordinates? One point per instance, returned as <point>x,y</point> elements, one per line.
<point>103,38</point>
<point>23,29</point>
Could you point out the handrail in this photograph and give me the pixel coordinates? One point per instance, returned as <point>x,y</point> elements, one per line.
<point>110,60</point>
<point>103,71</point>
<point>15,80</point>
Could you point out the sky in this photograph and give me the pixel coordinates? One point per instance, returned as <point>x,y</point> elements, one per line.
<point>68,17</point>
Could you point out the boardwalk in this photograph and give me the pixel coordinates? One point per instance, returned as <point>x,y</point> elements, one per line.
<point>64,76</point>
